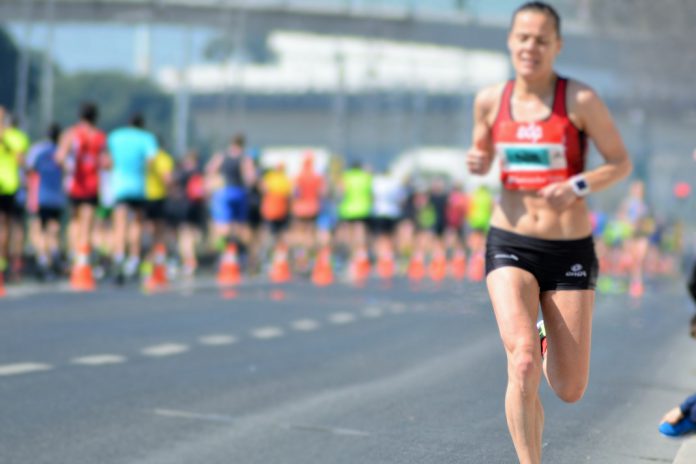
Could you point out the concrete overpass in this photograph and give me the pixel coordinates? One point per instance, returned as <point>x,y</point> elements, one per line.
<point>454,28</point>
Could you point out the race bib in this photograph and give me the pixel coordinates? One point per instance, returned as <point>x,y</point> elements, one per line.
<point>531,156</point>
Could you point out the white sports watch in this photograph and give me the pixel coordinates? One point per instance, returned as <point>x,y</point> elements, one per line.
<point>580,185</point>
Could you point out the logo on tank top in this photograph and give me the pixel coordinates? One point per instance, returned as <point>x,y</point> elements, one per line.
<point>531,132</point>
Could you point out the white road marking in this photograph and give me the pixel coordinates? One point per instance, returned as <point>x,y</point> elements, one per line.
<point>23,368</point>
<point>325,429</point>
<point>191,415</point>
<point>217,340</point>
<point>305,325</point>
<point>265,333</point>
<point>398,309</point>
<point>99,360</point>
<point>341,318</point>
<point>372,312</point>
<point>286,426</point>
<point>166,349</point>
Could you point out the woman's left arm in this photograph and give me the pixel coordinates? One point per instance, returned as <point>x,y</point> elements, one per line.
<point>589,113</point>
<point>596,121</point>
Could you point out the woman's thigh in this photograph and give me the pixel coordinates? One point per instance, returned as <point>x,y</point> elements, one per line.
<point>568,322</point>
<point>514,293</point>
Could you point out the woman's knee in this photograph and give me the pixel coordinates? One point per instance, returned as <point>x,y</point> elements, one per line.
<point>525,367</point>
<point>570,390</point>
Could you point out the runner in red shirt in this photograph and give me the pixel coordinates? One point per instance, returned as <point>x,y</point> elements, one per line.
<point>81,154</point>
<point>539,249</point>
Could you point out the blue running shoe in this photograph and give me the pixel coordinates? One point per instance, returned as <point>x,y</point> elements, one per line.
<point>681,428</point>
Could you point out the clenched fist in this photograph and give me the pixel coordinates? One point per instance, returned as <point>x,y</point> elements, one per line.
<point>560,195</point>
<point>478,161</point>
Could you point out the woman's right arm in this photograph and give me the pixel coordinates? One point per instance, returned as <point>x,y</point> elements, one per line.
<point>480,156</point>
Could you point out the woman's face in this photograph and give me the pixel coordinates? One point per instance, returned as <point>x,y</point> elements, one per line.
<point>533,44</point>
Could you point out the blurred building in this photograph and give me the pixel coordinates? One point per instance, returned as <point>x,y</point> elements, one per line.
<point>377,79</point>
<point>361,97</point>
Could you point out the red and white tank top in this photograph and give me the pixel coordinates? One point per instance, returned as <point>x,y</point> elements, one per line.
<point>535,154</point>
<point>87,145</point>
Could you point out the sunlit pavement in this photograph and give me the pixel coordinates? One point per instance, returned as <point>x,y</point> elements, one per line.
<point>297,374</point>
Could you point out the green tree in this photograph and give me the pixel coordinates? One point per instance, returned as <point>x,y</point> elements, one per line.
<point>10,57</point>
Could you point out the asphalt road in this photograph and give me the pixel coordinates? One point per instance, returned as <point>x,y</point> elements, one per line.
<point>305,375</point>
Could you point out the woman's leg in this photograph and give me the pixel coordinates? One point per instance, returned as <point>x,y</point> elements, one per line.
<point>568,322</point>
<point>514,293</point>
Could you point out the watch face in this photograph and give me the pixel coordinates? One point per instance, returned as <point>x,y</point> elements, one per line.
<point>582,184</point>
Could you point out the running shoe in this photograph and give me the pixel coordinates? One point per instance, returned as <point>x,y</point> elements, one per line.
<point>542,337</point>
<point>681,428</point>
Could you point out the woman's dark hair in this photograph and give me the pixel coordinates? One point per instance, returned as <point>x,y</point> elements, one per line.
<point>540,7</point>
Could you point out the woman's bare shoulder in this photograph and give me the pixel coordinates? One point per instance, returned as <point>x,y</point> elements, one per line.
<point>488,100</point>
<point>580,94</point>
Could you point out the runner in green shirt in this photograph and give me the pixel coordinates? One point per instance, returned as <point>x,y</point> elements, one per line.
<point>13,145</point>
<point>354,212</point>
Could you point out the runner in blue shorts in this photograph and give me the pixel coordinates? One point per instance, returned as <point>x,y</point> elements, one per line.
<point>233,172</point>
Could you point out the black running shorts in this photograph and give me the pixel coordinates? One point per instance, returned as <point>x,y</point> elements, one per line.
<point>556,264</point>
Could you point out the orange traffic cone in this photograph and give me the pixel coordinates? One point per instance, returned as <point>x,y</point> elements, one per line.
<point>81,277</point>
<point>157,280</point>
<point>416,268</point>
<point>636,289</point>
<point>438,266</point>
<point>459,264</point>
<point>360,267</point>
<point>280,267</point>
<point>229,272</point>
<point>322,275</point>
<point>625,263</point>
<point>477,267</point>
<point>385,264</point>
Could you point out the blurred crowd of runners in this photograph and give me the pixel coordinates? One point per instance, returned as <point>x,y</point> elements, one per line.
<point>112,204</point>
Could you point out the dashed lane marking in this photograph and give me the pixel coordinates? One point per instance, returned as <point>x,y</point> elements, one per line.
<point>221,418</point>
<point>166,349</point>
<point>266,333</point>
<point>217,340</point>
<point>372,312</point>
<point>398,309</point>
<point>341,318</point>
<point>99,360</point>
<point>170,349</point>
<point>23,368</point>
<point>305,325</point>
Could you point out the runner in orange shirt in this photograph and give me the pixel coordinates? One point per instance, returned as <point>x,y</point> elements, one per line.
<point>310,188</point>
<point>276,190</point>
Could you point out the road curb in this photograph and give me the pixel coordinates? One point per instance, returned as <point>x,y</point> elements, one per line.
<point>687,452</point>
